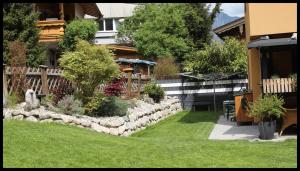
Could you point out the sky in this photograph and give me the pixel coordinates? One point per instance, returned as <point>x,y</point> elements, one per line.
<point>232,9</point>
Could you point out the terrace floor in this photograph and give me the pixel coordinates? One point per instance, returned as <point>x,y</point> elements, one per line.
<point>228,130</point>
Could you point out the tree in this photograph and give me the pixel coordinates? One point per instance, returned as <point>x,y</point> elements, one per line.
<point>19,24</point>
<point>215,57</point>
<point>82,29</point>
<point>88,66</point>
<point>165,30</point>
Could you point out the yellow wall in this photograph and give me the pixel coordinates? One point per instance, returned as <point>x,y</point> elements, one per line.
<point>271,18</point>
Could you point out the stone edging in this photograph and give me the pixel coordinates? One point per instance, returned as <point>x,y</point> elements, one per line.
<point>138,118</point>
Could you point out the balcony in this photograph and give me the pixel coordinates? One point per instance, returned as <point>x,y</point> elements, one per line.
<point>278,85</point>
<point>51,30</point>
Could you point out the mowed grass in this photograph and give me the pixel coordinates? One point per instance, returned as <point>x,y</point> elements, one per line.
<point>179,141</point>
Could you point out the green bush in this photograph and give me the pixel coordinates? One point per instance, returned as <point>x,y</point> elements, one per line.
<point>12,100</point>
<point>154,91</point>
<point>78,29</point>
<point>102,105</point>
<point>69,105</point>
<point>88,66</point>
<point>267,108</point>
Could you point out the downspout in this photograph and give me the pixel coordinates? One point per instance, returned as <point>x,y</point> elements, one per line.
<point>261,72</point>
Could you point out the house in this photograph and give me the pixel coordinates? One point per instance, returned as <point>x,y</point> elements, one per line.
<point>53,19</point>
<point>125,55</point>
<point>113,14</point>
<point>271,36</point>
<point>234,28</point>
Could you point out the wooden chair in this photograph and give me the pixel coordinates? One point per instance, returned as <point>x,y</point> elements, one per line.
<point>289,119</point>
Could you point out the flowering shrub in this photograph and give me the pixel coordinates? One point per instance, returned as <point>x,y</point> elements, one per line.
<point>62,90</point>
<point>114,88</point>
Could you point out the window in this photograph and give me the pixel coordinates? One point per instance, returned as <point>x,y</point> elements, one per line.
<point>101,25</point>
<point>109,24</point>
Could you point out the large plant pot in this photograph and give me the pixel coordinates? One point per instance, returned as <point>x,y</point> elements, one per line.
<point>266,129</point>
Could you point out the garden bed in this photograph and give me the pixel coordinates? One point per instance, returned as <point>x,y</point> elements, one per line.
<point>137,118</point>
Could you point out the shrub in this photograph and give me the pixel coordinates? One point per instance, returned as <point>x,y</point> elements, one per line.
<point>154,91</point>
<point>166,68</point>
<point>62,90</point>
<point>82,29</point>
<point>88,66</point>
<point>69,105</point>
<point>12,100</point>
<point>102,105</point>
<point>92,108</point>
<point>114,88</point>
<point>267,108</point>
<point>47,100</point>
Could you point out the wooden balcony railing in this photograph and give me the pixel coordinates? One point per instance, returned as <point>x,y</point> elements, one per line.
<point>51,30</point>
<point>278,85</point>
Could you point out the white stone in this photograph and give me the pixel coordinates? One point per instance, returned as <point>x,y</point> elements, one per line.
<point>32,119</point>
<point>66,118</point>
<point>113,131</point>
<point>121,129</point>
<point>18,117</point>
<point>7,115</point>
<point>43,116</point>
<point>31,100</point>
<point>85,122</point>
<point>46,120</point>
<point>97,127</point>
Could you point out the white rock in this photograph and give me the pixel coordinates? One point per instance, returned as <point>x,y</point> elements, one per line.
<point>66,118</point>
<point>113,131</point>
<point>121,129</point>
<point>97,127</point>
<point>31,100</point>
<point>32,119</point>
<point>18,117</point>
<point>7,115</point>
<point>85,122</point>
<point>43,116</point>
<point>46,120</point>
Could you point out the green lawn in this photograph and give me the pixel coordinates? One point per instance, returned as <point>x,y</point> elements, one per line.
<point>179,141</point>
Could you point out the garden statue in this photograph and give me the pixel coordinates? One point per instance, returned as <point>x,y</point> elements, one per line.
<point>31,101</point>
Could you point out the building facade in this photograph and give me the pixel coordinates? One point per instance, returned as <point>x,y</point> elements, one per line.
<point>53,19</point>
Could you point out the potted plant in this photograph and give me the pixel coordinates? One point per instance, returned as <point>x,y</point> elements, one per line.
<point>267,109</point>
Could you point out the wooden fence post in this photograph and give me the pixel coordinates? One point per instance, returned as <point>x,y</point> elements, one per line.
<point>139,84</point>
<point>129,84</point>
<point>5,91</point>
<point>44,79</point>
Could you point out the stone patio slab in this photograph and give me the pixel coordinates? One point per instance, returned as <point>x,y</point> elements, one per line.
<point>228,130</point>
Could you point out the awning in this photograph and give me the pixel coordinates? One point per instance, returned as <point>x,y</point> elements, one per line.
<point>272,42</point>
<point>135,61</point>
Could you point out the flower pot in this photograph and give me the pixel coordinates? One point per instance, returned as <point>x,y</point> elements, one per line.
<point>267,129</point>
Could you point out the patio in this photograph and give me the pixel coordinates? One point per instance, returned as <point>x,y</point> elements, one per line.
<point>228,130</point>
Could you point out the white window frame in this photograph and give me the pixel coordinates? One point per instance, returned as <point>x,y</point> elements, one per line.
<point>104,25</point>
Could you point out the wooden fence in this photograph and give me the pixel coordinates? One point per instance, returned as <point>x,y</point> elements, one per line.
<point>42,80</point>
<point>278,85</point>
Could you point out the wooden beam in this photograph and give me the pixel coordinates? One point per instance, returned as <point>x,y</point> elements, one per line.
<point>61,11</point>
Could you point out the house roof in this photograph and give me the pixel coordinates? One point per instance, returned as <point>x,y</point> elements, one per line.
<point>91,9</point>
<point>135,61</point>
<point>272,42</point>
<point>230,25</point>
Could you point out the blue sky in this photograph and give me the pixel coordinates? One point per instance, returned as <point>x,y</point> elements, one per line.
<point>232,9</point>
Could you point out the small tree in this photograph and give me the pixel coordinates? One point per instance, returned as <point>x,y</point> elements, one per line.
<point>165,68</point>
<point>82,29</point>
<point>88,66</point>
<point>218,58</point>
<point>19,24</point>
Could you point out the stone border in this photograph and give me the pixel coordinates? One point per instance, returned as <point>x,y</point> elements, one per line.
<point>145,114</point>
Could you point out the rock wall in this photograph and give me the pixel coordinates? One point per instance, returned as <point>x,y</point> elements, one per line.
<point>137,118</point>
